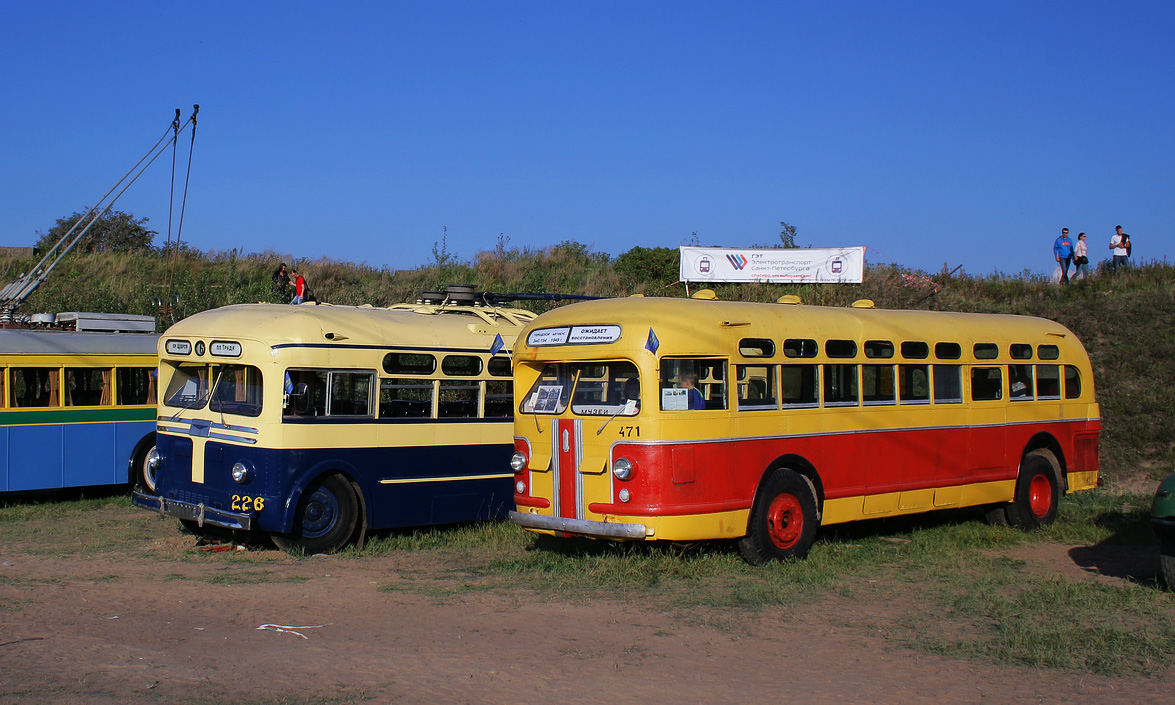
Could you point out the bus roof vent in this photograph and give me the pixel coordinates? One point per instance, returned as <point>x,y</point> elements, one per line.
<point>705,294</point>
<point>790,300</point>
<point>435,298</point>
<point>461,294</point>
<point>864,303</point>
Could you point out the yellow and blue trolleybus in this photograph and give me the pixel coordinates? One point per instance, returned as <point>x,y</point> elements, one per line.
<point>313,423</point>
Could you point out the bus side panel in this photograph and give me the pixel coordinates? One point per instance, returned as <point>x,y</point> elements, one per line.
<point>89,455</point>
<point>126,436</point>
<point>4,446</point>
<point>35,457</point>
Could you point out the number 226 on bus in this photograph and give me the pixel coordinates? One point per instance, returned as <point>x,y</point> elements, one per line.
<point>684,420</point>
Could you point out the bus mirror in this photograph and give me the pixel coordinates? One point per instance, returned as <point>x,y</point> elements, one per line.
<point>300,398</point>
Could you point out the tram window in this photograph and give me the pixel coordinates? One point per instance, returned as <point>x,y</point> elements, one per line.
<point>840,348</point>
<point>756,347</point>
<point>799,386</point>
<point>498,367</point>
<point>756,387</point>
<point>35,386</point>
<point>987,383</point>
<point>87,386</point>
<point>3,378</point>
<point>238,391</point>
<point>948,351</point>
<point>986,351</point>
<point>188,388</point>
<point>882,349</point>
<point>499,398</point>
<point>840,385</point>
<point>1020,351</point>
<point>461,365</point>
<point>1048,382</point>
<point>877,384</point>
<point>1048,352</point>
<point>914,384</point>
<point>409,364</point>
<point>799,347</point>
<point>948,384</point>
<point>915,350</point>
<point>349,393</point>
<point>606,390</point>
<point>135,385</point>
<point>1072,382</point>
<point>401,398</point>
<point>458,399</point>
<point>1020,382</point>
<point>692,384</point>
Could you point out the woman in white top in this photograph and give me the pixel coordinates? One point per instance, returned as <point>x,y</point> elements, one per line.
<point>1081,257</point>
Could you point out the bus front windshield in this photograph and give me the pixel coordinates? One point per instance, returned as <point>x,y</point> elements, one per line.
<point>591,389</point>
<point>189,386</point>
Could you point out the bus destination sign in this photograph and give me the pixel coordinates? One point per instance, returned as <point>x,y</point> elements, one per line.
<point>573,335</point>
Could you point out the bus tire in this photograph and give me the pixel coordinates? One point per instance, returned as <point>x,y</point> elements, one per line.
<point>1167,563</point>
<point>783,520</point>
<point>1038,492</point>
<point>144,462</point>
<point>325,520</point>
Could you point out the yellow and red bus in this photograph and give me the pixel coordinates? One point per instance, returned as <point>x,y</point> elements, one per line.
<point>690,419</point>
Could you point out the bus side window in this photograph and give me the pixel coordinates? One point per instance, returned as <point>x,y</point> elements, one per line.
<point>877,387</point>
<point>756,387</point>
<point>800,385</point>
<point>87,386</point>
<point>691,384</point>
<point>913,384</point>
<point>1072,382</point>
<point>1020,380</point>
<point>499,398</point>
<point>35,386</point>
<point>458,399</point>
<point>305,392</point>
<point>840,385</point>
<point>350,394</point>
<point>401,398</point>
<point>135,385</point>
<point>948,384</point>
<point>1048,382</point>
<point>987,383</point>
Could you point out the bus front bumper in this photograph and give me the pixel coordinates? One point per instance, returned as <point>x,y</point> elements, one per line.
<point>584,527</point>
<point>199,513</point>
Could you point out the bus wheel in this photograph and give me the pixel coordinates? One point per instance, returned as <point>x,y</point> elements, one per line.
<point>146,464</point>
<point>783,520</point>
<point>1038,492</point>
<point>325,520</point>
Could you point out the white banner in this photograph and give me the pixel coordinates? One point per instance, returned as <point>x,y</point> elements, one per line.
<point>790,266</point>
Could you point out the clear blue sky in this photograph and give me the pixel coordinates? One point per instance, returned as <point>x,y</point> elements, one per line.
<point>930,132</point>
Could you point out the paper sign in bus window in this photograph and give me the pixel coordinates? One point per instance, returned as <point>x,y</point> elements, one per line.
<point>548,398</point>
<point>674,399</point>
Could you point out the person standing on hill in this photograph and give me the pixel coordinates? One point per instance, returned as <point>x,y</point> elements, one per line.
<point>1120,244</point>
<point>1063,252</point>
<point>299,287</point>
<point>1081,257</point>
<point>281,282</point>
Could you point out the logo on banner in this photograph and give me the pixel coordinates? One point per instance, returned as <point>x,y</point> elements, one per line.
<point>838,265</point>
<point>704,265</point>
<point>737,261</point>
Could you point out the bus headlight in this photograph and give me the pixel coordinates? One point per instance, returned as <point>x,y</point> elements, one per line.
<point>518,462</point>
<point>242,473</point>
<point>622,468</point>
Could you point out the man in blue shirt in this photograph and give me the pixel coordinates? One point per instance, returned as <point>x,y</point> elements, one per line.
<point>1063,251</point>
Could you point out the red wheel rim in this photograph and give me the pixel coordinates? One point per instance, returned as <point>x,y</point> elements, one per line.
<point>1040,496</point>
<point>785,521</point>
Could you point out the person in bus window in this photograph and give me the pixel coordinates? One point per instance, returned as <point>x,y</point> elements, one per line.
<point>632,392</point>
<point>689,380</point>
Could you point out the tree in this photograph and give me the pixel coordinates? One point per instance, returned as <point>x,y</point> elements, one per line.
<point>788,235</point>
<point>659,264</point>
<point>115,231</point>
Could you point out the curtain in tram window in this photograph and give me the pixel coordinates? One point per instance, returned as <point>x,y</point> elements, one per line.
<point>105,398</point>
<point>53,387</point>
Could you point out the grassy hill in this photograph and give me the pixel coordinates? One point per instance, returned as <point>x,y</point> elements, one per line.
<point>1119,319</point>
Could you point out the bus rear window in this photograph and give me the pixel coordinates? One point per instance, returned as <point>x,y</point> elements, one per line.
<point>238,391</point>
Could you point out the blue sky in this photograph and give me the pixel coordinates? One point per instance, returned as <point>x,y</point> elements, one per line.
<point>931,132</point>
